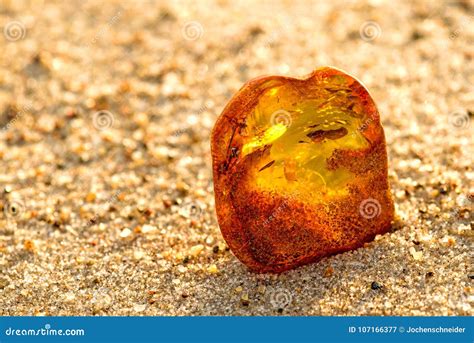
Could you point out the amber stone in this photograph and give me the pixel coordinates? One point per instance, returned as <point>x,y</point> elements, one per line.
<point>300,170</point>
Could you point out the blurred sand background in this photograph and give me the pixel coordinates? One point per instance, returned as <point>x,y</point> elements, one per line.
<point>112,212</point>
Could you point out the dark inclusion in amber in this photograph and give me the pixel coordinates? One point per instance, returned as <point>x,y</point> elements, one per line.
<point>300,170</point>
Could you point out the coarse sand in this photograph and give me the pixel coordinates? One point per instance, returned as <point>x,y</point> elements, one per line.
<point>106,109</point>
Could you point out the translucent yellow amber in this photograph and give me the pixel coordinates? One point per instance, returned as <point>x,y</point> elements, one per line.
<point>295,162</point>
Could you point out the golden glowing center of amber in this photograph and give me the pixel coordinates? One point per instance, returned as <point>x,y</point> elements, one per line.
<point>298,135</point>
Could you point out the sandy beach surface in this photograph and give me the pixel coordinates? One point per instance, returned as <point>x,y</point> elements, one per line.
<point>106,189</point>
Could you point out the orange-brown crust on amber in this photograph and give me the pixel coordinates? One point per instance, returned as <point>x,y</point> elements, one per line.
<point>271,232</point>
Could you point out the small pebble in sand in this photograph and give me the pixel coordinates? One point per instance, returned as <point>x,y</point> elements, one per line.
<point>212,269</point>
<point>417,255</point>
<point>245,299</point>
<point>29,245</point>
<point>69,297</point>
<point>329,271</point>
<point>125,233</point>
<point>375,286</point>
<point>448,241</point>
<point>64,215</point>
<point>139,307</point>
<point>148,229</point>
<point>138,254</point>
<point>196,250</point>
<point>90,197</point>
